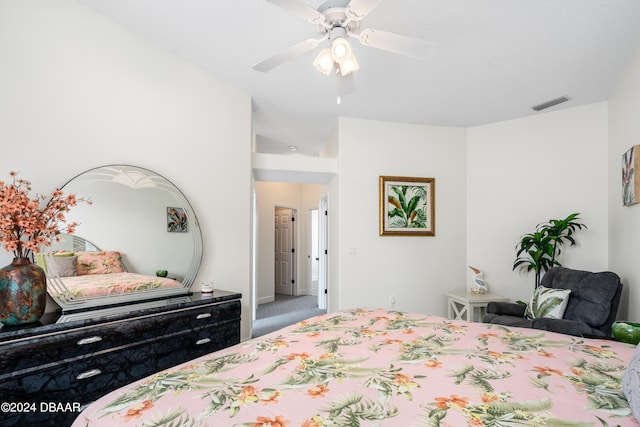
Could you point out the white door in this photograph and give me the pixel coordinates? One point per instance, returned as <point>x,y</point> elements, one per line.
<point>314,248</point>
<point>284,251</point>
<point>323,245</point>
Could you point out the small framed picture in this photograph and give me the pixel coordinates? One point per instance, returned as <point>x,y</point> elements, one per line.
<point>176,220</point>
<point>631,176</point>
<point>407,206</point>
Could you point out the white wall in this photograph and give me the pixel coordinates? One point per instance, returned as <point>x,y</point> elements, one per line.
<point>526,171</point>
<point>624,222</point>
<point>301,197</point>
<point>79,91</point>
<point>416,270</point>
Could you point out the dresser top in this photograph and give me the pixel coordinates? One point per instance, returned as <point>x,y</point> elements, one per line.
<point>57,322</point>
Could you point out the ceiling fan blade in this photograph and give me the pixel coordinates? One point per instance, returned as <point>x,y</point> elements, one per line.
<point>288,54</point>
<point>408,46</point>
<point>301,9</point>
<point>358,9</point>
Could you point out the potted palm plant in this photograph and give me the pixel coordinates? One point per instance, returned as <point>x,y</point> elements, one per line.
<point>538,251</point>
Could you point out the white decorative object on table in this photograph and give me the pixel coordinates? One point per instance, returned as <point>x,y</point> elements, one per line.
<point>479,285</point>
<point>207,288</point>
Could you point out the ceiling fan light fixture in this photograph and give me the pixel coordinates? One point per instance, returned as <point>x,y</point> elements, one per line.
<point>340,50</point>
<point>324,61</point>
<point>348,66</point>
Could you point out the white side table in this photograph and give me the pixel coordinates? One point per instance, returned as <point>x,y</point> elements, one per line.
<point>462,305</point>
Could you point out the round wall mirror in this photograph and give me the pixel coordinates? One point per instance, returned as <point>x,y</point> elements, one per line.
<point>145,218</point>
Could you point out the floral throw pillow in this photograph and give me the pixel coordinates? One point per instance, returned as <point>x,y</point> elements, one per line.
<point>548,302</point>
<point>99,262</point>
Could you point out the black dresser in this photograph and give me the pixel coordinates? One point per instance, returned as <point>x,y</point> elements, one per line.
<point>49,370</point>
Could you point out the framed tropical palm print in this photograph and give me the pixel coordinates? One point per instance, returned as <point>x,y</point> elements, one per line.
<point>176,220</point>
<point>631,176</point>
<point>407,206</point>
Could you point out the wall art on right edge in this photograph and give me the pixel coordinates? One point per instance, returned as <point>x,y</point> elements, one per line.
<point>631,176</point>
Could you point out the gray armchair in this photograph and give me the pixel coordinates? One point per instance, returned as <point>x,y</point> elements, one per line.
<point>591,310</point>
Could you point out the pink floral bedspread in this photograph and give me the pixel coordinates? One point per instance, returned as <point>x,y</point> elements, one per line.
<point>384,368</point>
<point>91,285</point>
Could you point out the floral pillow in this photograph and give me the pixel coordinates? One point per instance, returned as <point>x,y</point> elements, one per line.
<point>548,302</point>
<point>99,262</point>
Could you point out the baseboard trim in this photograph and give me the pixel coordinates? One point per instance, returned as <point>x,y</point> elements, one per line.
<point>265,300</point>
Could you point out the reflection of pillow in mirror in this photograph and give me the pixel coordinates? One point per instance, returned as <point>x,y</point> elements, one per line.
<point>62,265</point>
<point>99,262</point>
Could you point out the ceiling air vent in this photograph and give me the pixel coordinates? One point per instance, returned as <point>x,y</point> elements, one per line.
<point>551,103</point>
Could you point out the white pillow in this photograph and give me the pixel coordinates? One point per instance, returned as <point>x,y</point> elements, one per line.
<point>548,302</point>
<point>62,265</point>
<point>631,383</point>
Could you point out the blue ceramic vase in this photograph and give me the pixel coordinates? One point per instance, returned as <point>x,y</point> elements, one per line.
<point>23,292</point>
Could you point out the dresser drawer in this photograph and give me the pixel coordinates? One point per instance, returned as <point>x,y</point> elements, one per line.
<point>45,349</point>
<point>202,316</point>
<point>86,378</point>
<point>187,346</point>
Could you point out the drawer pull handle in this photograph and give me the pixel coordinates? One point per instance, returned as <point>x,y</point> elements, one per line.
<point>203,341</point>
<point>203,316</point>
<point>88,374</point>
<point>89,340</point>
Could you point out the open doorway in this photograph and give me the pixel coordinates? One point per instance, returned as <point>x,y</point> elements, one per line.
<point>286,227</point>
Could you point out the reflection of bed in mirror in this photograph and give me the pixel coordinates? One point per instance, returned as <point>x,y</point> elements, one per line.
<point>125,236</point>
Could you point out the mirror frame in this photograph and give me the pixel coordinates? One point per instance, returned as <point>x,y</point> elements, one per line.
<point>67,302</point>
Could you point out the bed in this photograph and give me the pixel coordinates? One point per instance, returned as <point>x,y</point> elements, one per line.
<point>369,367</point>
<point>79,279</point>
<point>94,285</point>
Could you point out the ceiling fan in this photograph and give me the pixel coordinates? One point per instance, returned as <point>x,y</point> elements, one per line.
<point>337,21</point>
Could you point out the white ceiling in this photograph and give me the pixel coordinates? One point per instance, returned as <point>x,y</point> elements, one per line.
<point>495,60</point>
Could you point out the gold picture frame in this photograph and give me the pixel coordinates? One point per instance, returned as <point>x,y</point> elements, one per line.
<point>407,206</point>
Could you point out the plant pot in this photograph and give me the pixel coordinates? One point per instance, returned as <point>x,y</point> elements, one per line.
<point>23,292</point>
<point>628,332</point>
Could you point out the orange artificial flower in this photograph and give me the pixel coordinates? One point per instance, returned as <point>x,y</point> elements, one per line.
<point>25,225</point>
